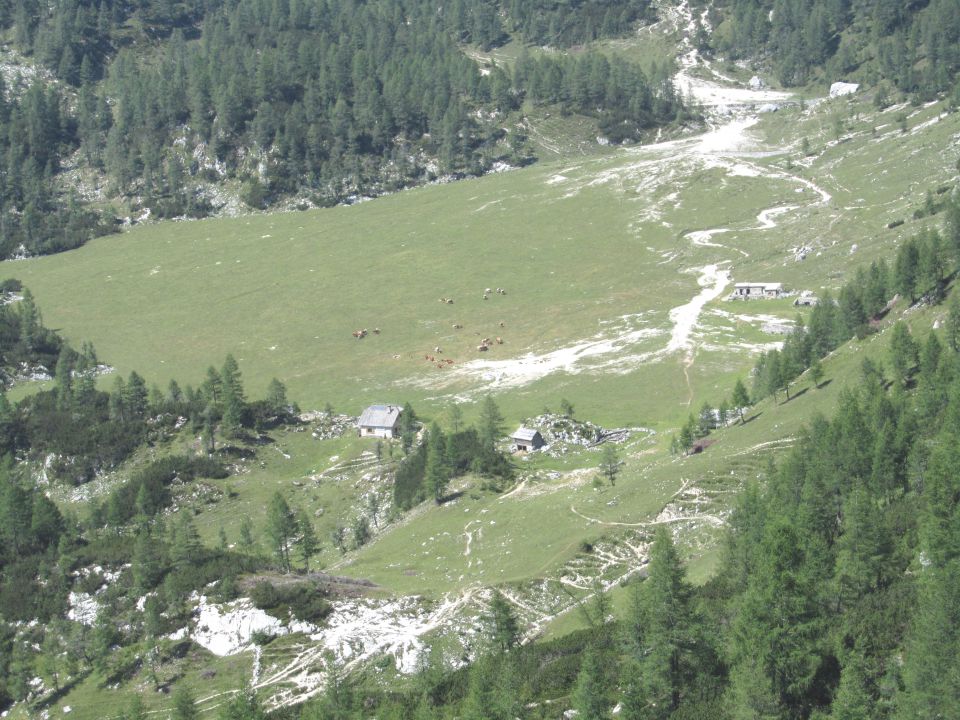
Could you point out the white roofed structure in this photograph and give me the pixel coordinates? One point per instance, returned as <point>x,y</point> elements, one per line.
<point>380,421</point>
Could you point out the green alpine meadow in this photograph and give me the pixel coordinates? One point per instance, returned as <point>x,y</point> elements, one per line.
<point>482,360</point>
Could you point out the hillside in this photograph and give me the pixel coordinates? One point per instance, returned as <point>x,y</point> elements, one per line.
<point>606,275</point>
<point>237,106</point>
<point>243,105</point>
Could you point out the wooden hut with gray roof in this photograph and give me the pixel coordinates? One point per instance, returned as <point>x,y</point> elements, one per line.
<point>381,421</point>
<point>526,439</point>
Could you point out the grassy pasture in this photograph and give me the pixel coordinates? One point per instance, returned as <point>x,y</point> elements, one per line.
<point>284,292</point>
<point>588,248</point>
<point>578,246</point>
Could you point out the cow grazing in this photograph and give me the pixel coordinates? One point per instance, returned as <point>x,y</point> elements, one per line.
<point>482,348</point>
<point>457,326</point>
<point>499,341</point>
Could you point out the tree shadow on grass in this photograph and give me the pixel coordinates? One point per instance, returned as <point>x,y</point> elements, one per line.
<point>444,499</point>
<point>796,395</point>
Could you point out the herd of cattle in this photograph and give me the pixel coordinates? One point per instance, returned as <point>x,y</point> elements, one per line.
<point>485,344</point>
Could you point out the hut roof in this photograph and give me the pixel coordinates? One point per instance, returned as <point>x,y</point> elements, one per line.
<point>380,416</point>
<point>525,434</point>
<point>765,285</point>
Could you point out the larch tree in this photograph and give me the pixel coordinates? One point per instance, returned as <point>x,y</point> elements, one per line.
<point>816,372</point>
<point>184,704</point>
<point>234,402</point>
<point>281,529</point>
<point>277,397</point>
<point>491,423</point>
<point>610,463</point>
<point>903,351</point>
<point>64,378</point>
<point>777,638</point>
<point>740,398</point>
<point>501,624</point>
<point>437,472</point>
<point>309,544</point>
<point>662,629</point>
<point>29,317</point>
<point>589,696</point>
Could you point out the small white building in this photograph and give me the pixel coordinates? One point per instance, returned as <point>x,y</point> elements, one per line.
<point>526,439</point>
<point>380,421</point>
<point>756,290</point>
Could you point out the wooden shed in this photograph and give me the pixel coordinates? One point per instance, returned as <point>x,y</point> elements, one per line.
<point>527,439</point>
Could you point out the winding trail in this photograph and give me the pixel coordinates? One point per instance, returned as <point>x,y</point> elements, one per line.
<point>712,519</point>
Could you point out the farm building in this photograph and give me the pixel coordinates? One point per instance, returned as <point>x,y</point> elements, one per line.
<point>379,421</point>
<point>754,290</point>
<point>526,439</point>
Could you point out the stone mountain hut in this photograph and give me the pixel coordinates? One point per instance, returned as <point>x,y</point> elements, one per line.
<point>380,421</point>
<point>527,439</point>
<point>754,290</point>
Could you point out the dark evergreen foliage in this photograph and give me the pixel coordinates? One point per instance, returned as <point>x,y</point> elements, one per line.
<point>913,45</point>
<point>324,99</point>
